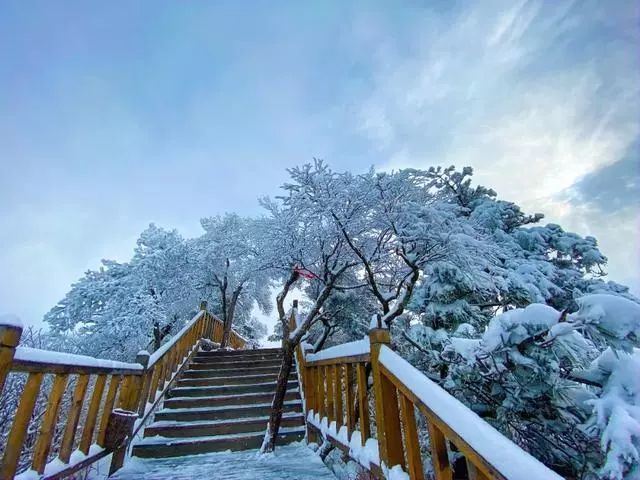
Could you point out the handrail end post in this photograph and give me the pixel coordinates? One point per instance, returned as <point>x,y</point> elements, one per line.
<point>10,334</point>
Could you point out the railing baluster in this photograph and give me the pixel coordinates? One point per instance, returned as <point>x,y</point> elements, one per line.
<point>349,399</point>
<point>386,400</point>
<point>92,414</point>
<point>412,445</point>
<point>20,425</point>
<point>323,391</point>
<point>337,374</point>
<point>331,413</point>
<point>107,408</point>
<point>73,417</point>
<point>439,455</point>
<point>363,402</point>
<point>43,443</point>
<point>155,379</point>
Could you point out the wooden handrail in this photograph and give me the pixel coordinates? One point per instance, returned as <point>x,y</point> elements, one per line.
<point>336,399</point>
<point>102,385</point>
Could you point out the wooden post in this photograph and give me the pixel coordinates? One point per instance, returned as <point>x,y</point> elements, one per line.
<point>20,425</point>
<point>386,399</point>
<point>143,359</point>
<point>9,338</point>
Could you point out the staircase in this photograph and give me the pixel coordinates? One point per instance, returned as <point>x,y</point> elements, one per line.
<point>222,402</point>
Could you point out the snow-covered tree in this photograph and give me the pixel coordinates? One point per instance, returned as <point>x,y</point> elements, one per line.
<point>234,269</point>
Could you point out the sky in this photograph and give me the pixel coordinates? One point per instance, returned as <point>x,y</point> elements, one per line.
<point>117,114</point>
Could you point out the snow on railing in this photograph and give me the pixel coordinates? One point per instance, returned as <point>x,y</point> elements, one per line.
<point>350,349</point>
<point>32,358</point>
<point>336,385</point>
<point>132,390</point>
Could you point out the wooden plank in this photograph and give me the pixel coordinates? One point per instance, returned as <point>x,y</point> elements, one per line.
<point>72,418</point>
<point>474,473</point>
<point>389,422</point>
<point>363,358</point>
<point>439,455</point>
<point>21,421</point>
<point>322,394</point>
<point>107,408</point>
<point>480,462</point>
<point>338,374</point>
<point>349,399</point>
<point>363,402</point>
<point>92,414</point>
<point>331,408</point>
<point>43,443</point>
<point>411,442</point>
<point>155,379</point>
<point>125,392</point>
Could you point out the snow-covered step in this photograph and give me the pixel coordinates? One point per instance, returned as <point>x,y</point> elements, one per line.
<point>212,373</point>
<point>170,447</point>
<point>205,391</point>
<point>203,381</point>
<point>237,358</point>
<point>222,401</point>
<point>242,353</point>
<point>219,427</point>
<point>218,413</point>
<point>216,364</point>
<point>225,400</point>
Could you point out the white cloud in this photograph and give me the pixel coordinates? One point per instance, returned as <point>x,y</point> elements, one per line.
<point>533,95</point>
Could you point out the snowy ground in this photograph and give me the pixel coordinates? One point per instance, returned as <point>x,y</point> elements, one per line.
<point>289,462</point>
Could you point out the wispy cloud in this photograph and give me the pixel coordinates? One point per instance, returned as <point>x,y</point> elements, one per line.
<point>535,95</point>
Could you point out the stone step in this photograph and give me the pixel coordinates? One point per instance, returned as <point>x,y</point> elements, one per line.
<point>230,372</point>
<point>218,364</point>
<point>226,400</point>
<point>215,381</point>
<point>222,427</point>
<point>236,353</point>
<point>220,413</point>
<point>260,387</point>
<point>238,357</point>
<point>150,448</point>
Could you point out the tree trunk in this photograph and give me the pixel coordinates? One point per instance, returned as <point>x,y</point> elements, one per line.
<point>269,443</point>
<point>228,318</point>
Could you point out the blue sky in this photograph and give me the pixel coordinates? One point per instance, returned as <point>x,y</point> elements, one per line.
<point>117,114</point>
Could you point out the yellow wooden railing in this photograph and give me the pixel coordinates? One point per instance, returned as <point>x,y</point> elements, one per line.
<point>101,387</point>
<point>337,393</point>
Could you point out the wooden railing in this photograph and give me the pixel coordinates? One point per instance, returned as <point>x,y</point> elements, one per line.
<point>102,388</point>
<point>337,393</point>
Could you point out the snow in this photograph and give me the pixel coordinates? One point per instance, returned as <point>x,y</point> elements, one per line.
<point>510,327</point>
<point>155,356</point>
<point>27,354</point>
<point>359,347</point>
<point>288,462</point>
<point>10,320</point>
<point>509,459</point>
<point>616,315</point>
<point>366,455</point>
<point>617,412</point>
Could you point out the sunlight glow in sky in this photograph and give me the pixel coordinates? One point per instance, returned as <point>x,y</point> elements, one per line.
<point>114,116</point>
